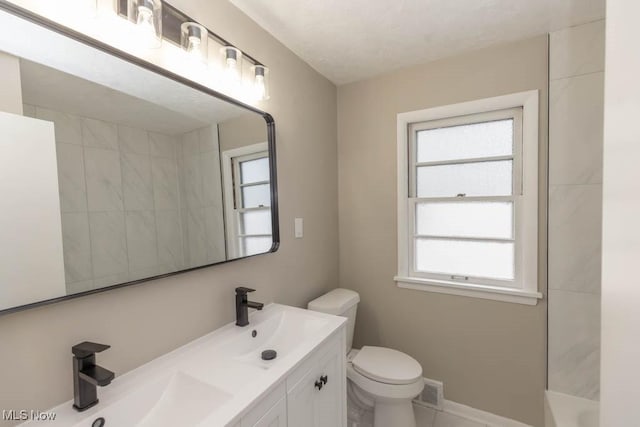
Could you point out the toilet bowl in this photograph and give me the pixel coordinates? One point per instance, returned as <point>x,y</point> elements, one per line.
<point>379,379</point>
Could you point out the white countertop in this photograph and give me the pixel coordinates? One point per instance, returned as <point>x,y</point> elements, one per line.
<point>227,359</point>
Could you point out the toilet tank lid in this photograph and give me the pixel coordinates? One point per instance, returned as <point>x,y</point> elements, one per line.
<point>336,302</point>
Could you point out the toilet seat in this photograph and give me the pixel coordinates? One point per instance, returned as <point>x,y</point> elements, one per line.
<point>378,390</point>
<point>386,365</point>
<point>385,390</point>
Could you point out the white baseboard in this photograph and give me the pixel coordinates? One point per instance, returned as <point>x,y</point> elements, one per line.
<point>479,416</point>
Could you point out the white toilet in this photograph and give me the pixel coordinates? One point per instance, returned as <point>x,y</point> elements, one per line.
<point>379,378</point>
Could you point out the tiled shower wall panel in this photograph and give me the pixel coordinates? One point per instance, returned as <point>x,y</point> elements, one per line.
<point>575,208</point>
<point>201,197</point>
<point>120,201</point>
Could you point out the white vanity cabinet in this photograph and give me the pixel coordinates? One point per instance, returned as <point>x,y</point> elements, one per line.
<point>270,411</point>
<point>317,399</point>
<point>313,394</point>
<point>275,417</point>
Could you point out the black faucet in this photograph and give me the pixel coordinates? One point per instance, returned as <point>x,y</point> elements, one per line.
<point>87,375</point>
<point>242,306</point>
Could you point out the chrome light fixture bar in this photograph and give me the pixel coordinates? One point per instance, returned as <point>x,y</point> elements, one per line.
<point>168,23</point>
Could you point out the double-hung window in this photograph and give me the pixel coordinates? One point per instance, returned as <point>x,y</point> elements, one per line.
<point>248,200</point>
<point>468,199</point>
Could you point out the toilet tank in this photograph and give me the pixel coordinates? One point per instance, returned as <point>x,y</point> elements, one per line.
<point>339,302</point>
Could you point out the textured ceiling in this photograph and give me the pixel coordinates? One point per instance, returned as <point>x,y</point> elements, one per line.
<point>348,40</point>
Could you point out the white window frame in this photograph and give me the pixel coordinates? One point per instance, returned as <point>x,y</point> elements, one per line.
<point>232,192</point>
<point>525,171</point>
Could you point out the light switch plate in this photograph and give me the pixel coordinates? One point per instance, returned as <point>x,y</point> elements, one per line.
<point>299,229</point>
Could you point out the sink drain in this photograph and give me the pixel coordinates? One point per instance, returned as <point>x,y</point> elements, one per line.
<point>269,354</point>
<point>98,422</point>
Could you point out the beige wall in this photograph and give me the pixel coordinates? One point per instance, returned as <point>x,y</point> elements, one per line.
<point>242,131</point>
<point>490,355</point>
<point>142,322</point>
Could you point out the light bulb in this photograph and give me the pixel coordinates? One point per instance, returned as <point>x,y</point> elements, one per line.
<point>194,39</point>
<point>146,28</point>
<point>193,47</point>
<point>259,90</point>
<point>232,69</point>
<point>145,19</point>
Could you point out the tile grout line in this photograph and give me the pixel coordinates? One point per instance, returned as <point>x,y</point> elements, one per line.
<point>588,73</point>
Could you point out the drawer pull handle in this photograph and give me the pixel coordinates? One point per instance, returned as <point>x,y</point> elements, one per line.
<point>319,385</point>
<point>324,379</point>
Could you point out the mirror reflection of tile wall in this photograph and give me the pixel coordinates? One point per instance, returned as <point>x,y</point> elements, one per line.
<point>134,203</point>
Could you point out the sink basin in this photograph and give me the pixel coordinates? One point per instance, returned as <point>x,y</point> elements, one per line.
<point>281,332</point>
<point>178,399</point>
<point>185,401</point>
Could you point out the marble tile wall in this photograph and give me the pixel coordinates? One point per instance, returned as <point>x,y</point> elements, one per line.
<point>120,201</point>
<point>201,197</point>
<point>575,208</point>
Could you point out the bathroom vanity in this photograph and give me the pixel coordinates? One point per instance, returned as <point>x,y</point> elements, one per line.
<point>220,379</point>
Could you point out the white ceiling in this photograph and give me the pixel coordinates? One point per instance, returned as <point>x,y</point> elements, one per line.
<point>348,40</point>
<point>57,90</point>
<point>49,88</point>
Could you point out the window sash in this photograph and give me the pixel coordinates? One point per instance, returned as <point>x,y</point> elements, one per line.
<point>516,283</point>
<point>238,200</point>
<point>239,212</point>
<point>238,185</point>
<point>516,156</point>
<point>516,197</point>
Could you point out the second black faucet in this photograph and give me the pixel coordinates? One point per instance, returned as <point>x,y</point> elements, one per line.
<point>87,375</point>
<point>243,305</point>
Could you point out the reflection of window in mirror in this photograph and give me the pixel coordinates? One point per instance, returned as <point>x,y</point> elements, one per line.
<point>247,200</point>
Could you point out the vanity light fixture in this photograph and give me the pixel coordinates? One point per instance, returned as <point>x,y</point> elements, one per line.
<point>232,64</point>
<point>260,82</point>
<point>158,20</point>
<point>147,15</point>
<point>194,40</point>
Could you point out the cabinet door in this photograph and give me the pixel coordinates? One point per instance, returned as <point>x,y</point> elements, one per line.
<point>270,411</point>
<point>300,402</point>
<point>275,417</point>
<point>328,404</point>
<point>317,399</point>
